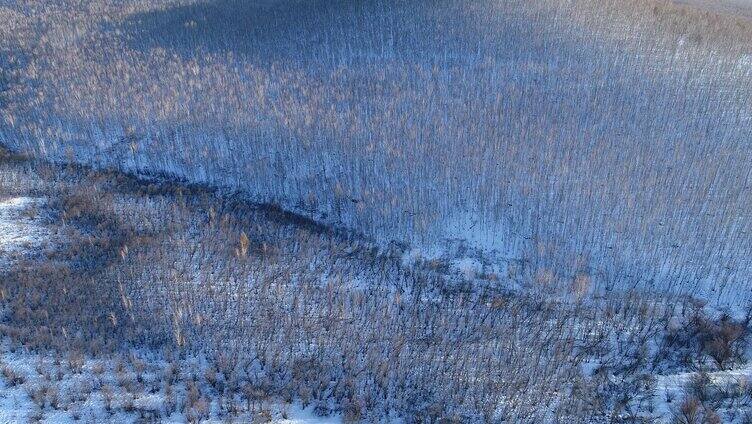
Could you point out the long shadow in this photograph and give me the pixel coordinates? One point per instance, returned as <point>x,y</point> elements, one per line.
<point>327,32</point>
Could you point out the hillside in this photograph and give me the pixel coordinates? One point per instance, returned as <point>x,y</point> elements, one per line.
<point>554,137</point>
<point>377,211</point>
<point>127,300</point>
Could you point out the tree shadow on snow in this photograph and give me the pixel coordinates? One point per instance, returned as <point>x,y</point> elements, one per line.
<point>326,32</point>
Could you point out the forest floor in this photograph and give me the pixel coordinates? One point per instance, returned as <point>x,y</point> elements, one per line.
<point>127,386</point>
<point>44,222</point>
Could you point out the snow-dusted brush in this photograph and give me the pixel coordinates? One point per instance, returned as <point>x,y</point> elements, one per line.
<point>156,300</point>
<point>527,211</point>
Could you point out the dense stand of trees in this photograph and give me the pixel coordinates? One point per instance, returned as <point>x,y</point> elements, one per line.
<point>606,139</point>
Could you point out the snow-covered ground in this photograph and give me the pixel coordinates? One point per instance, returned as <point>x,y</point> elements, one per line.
<point>40,388</point>
<point>20,228</point>
<point>670,390</point>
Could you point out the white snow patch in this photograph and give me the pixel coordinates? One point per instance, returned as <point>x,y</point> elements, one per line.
<point>296,414</point>
<point>82,392</point>
<point>20,227</point>
<point>671,389</point>
<point>469,267</point>
<point>481,234</point>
